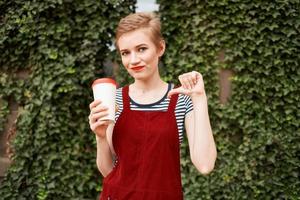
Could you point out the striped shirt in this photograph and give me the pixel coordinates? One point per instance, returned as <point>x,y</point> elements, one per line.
<point>183,106</point>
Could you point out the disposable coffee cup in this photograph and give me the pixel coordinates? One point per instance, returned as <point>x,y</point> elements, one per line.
<point>105,90</point>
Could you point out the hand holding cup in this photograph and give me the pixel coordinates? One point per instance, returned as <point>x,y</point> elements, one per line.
<point>102,109</point>
<point>98,114</point>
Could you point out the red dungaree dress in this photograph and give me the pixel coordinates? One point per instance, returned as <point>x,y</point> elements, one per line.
<point>147,148</point>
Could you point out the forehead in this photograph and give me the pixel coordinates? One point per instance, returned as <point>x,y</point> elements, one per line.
<point>134,38</point>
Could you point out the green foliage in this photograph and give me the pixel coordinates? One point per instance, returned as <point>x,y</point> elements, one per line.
<point>10,88</point>
<point>63,44</point>
<point>3,113</point>
<point>257,131</point>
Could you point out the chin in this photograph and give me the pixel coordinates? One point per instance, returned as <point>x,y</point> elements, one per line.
<point>140,77</point>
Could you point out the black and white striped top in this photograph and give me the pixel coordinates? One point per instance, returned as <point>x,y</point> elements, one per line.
<point>183,106</point>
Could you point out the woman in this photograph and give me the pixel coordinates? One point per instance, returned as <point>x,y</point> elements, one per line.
<point>139,155</point>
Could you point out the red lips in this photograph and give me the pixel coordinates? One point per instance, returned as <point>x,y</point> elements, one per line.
<point>137,68</point>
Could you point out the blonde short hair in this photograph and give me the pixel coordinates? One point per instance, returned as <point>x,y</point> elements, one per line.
<point>147,20</point>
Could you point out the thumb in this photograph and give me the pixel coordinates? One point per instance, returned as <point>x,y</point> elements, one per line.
<point>179,90</point>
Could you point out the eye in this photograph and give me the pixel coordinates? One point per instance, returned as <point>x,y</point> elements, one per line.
<point>124,53</point>
<point>142,49</point>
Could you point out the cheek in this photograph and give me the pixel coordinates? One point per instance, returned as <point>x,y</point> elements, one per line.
<point>150,58</point>
<point>124,62</point>
<point>153,59</point>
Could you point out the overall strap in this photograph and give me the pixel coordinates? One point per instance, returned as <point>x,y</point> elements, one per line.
<point>173,103</point>
<point>126,99</point>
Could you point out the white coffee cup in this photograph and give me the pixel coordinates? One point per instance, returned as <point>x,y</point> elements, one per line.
<point>105,90</point>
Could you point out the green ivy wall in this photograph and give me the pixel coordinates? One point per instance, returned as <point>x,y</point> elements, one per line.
<point>63,45</point>
<point>257,130</point>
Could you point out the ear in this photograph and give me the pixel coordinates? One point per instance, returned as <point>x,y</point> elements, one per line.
<point>161,48</point>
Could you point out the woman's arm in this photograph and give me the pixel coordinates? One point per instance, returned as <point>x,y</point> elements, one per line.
<point>201,142</point>
<point>104,158</point>
<point>103,133</point>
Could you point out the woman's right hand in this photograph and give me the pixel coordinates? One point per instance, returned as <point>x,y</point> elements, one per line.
<point>97,112</point>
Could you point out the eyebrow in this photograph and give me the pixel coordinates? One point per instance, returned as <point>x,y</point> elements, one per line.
<point>137,46</point>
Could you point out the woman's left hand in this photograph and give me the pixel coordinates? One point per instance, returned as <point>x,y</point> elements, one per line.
<point>191,84</point>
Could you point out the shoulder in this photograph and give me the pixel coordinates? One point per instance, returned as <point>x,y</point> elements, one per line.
<point>184,103</point>
<point>119,90</point>
<point>184,99</point>
<point>119,95</point>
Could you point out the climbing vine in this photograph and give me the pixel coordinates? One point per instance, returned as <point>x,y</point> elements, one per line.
<point>257,130</point>
<point>63,45</point>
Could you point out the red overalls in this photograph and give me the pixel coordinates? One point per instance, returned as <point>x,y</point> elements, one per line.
<point>147,149</point>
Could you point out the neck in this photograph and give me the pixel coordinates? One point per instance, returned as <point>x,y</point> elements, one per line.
<point>153,83</point>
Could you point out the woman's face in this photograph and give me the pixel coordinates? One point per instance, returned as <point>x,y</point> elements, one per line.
<point>139,54</point>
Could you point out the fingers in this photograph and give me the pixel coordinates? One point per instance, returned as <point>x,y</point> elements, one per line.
<point>95,103</point>
<point>97,112</point>
<point>98,124</point>
<point>186,81</point>
<point>189,80</point>
<point>179,90</point>
<point>175,91</point>
<point>191,84</point>
<point>99,108</point>
<point>97,116</point>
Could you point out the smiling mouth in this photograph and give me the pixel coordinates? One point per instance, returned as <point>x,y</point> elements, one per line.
<point>137,68</point>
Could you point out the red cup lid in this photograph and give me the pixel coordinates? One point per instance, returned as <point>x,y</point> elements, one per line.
<point>104,80</point>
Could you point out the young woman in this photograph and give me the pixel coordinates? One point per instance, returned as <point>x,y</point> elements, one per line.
<point>139,155</point>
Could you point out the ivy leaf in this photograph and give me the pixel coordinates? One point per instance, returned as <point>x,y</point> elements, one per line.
<point>53,54</point>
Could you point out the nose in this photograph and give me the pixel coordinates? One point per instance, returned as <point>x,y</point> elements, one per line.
<point>134,59</point>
